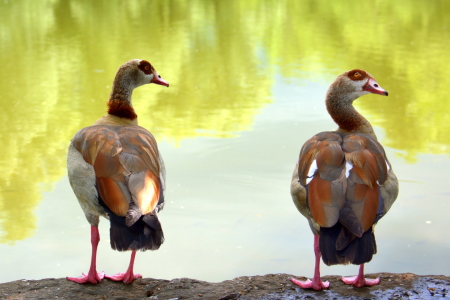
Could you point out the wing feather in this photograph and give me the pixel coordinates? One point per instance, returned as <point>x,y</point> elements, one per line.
<point>126,163</point>
<point>350,180</point>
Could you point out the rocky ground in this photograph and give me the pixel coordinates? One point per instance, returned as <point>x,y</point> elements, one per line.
<point>271,286</point>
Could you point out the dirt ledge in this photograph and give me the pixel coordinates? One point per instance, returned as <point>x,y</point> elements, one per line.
<point>267,287</point>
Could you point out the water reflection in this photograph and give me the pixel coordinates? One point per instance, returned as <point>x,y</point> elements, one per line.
<point>221,58</point>
<point>217,85</point>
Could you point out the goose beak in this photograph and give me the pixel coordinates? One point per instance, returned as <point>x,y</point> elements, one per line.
<point>157,79</point>
<point>372,86</point>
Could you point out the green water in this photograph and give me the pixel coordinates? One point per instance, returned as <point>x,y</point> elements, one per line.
<point>247,83</point>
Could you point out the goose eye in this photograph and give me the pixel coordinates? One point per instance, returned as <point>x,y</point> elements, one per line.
<point>147,68</point>
<point>357,74</point>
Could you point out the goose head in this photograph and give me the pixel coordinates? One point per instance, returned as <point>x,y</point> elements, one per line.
<point>340,96</point>
<point>131,75</point>
<point>354,84</point>
<point>137,72</point>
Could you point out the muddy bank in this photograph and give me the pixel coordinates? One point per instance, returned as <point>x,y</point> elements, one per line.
<point>267,287</point>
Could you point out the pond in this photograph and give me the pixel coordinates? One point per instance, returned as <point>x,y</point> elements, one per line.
<point>247,87</point>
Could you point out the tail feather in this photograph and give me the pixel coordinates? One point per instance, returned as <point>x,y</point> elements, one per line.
<point>356,251</point>
<point>133,214</point>
<point>134,231</point>
<point>139,236</point>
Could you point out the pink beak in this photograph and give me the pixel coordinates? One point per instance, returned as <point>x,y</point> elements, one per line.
<point>157,79</point>
<point>373,87</point>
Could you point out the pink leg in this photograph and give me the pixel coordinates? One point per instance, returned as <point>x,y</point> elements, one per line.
<point>360,281</point>
<point>128,276</point>
<point>316,283</point>
<point>92,276</point>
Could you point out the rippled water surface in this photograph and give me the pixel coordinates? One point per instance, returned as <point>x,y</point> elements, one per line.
<point>247,85</point>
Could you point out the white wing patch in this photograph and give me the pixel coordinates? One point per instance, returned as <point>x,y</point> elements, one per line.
<point>388,168</point>
<point>312,170</point>
<point>348,168</point>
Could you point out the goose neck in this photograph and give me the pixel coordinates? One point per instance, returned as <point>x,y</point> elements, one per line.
<point>119,103</point>
<point>345,115</point>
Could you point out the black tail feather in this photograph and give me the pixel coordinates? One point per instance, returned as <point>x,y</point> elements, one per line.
<point>134,231</point>
<point>357,251</point>
<point>139,236</point>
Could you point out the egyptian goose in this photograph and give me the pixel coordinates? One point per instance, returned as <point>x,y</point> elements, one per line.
<point>116,171</point>
<point>343,183</point>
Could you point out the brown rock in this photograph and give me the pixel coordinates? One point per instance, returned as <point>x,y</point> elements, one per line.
<point>267,287</point>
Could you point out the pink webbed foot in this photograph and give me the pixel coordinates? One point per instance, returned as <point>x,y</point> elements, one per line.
<point>125,277</point>
<point>129,275</point>
<point>314,284</point>
<point>91,277</point>
<point>360,281</point>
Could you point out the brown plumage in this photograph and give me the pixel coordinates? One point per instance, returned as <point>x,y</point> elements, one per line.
<point>343,183</point>
<point>116,171</point>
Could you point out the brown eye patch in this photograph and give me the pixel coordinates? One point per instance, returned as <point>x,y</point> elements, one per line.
<point>145,67</point>
<point>357,74</point>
